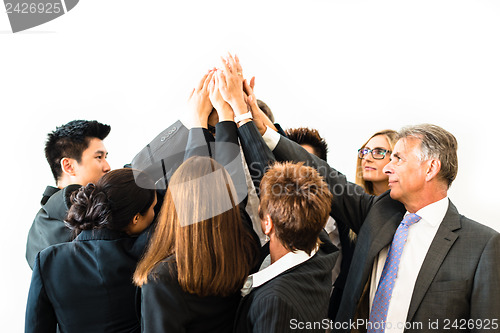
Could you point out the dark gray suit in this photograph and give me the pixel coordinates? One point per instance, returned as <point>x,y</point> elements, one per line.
<point>459,278</point>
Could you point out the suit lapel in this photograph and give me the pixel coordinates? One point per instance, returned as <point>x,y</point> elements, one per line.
<point>383,236</point>
<point>443,241</point>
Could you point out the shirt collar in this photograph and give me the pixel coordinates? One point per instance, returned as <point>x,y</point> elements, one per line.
<point>434,213</point>
<point>289,260</point>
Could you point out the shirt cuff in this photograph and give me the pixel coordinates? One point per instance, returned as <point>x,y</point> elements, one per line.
<point>271,138</point>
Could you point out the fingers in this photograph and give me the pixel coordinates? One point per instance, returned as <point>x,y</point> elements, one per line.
<point>208,79</point>
<point>212,84</point>
<point>232,64</point>
<point>252,82</point>
<point>247,88</point>
<point>202,81</point>
<point>226,65</point>
<point>221,79</point>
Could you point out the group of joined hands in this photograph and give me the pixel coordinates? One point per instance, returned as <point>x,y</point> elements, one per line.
<point>225,90</point>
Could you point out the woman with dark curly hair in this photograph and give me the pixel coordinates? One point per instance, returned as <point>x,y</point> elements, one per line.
<point>86,285</point>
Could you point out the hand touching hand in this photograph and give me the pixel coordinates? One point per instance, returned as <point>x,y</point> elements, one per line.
<point>223,108</point>
<point>199,101</point>
<point>259,117</point>
<point>230,83</point>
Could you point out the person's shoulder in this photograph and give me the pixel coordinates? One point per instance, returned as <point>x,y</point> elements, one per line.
<point>51,253</point>
<point>164,271</point>
<point>467,225</point>
<point>479,229</point>
<point>59,202</point>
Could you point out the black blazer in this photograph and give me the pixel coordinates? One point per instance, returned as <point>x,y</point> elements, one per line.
<point>165,307</point>
<point>292,299</point>
<point>86,285</point>
<point>48,227</point>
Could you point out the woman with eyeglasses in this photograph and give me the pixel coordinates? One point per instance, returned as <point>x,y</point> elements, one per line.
<point>372,158</point>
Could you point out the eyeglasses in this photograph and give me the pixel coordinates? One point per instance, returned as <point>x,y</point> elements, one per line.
<point>377,153</point>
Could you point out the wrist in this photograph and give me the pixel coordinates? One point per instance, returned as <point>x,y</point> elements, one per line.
<point>243,118</point>
<point>239,108</point>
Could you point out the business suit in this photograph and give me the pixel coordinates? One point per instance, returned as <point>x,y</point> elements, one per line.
<point>293,299</point>
<point>86,285</point>
<point>459,278</point>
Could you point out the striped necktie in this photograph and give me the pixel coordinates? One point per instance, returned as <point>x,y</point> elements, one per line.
<point>380,306</point>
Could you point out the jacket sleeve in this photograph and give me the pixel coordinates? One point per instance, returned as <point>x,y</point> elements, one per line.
<point>257,154</point>
<point>40,315</point>
<point>199,143</point>
<point>163,155</point>
<point>350,202</point>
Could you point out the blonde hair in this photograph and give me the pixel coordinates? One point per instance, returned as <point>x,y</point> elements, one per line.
<point>391,137</point>
<point>213,254</point>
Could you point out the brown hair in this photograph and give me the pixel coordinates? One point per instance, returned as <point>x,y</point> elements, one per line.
<point>307,136</point>
<point>391,137</point>
<point>436,143</point>
<point>213,254</point>
<point>298,201</point>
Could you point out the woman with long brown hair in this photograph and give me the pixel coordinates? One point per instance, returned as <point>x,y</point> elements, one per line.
<point>202,249</point>
<point>199,255</point>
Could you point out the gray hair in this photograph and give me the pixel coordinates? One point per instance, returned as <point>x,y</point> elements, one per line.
<point>435,143</point>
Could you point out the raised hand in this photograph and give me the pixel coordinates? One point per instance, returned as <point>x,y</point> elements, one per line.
<point>230,82</point>
<point>222,107</point>
<point>259,117</point>
<point>199,101</point>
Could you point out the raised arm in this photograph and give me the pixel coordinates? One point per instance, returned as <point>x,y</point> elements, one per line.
<point>350,202</point>
<point>199,104</point>
<point>257,154</point>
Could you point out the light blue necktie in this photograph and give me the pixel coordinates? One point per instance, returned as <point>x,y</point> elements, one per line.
<point>378,314</point>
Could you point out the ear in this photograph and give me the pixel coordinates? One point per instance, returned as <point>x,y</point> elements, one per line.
<point>68,166</point>
<point>136,218</point>
<point>433,168</point>
<point>267,225</point>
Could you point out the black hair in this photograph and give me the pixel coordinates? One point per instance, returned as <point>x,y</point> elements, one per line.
<point>70,140</point>
<point>110,203</point>
<point>307,136</point>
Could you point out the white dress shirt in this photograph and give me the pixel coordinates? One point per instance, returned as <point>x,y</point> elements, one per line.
<point>420,236</point>
<point>269,271</point>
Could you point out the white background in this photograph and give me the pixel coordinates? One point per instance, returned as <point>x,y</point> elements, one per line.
<point>347,68</point>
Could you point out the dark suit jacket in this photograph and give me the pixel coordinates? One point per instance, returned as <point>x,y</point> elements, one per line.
<point>292,299</point>
<point>48,227</point>
<point>459,278</point>
<point>86,285</point>
<point>167,308</point>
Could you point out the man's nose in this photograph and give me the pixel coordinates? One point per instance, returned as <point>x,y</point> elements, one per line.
<point>388,170</point>
<point>106,167</point>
